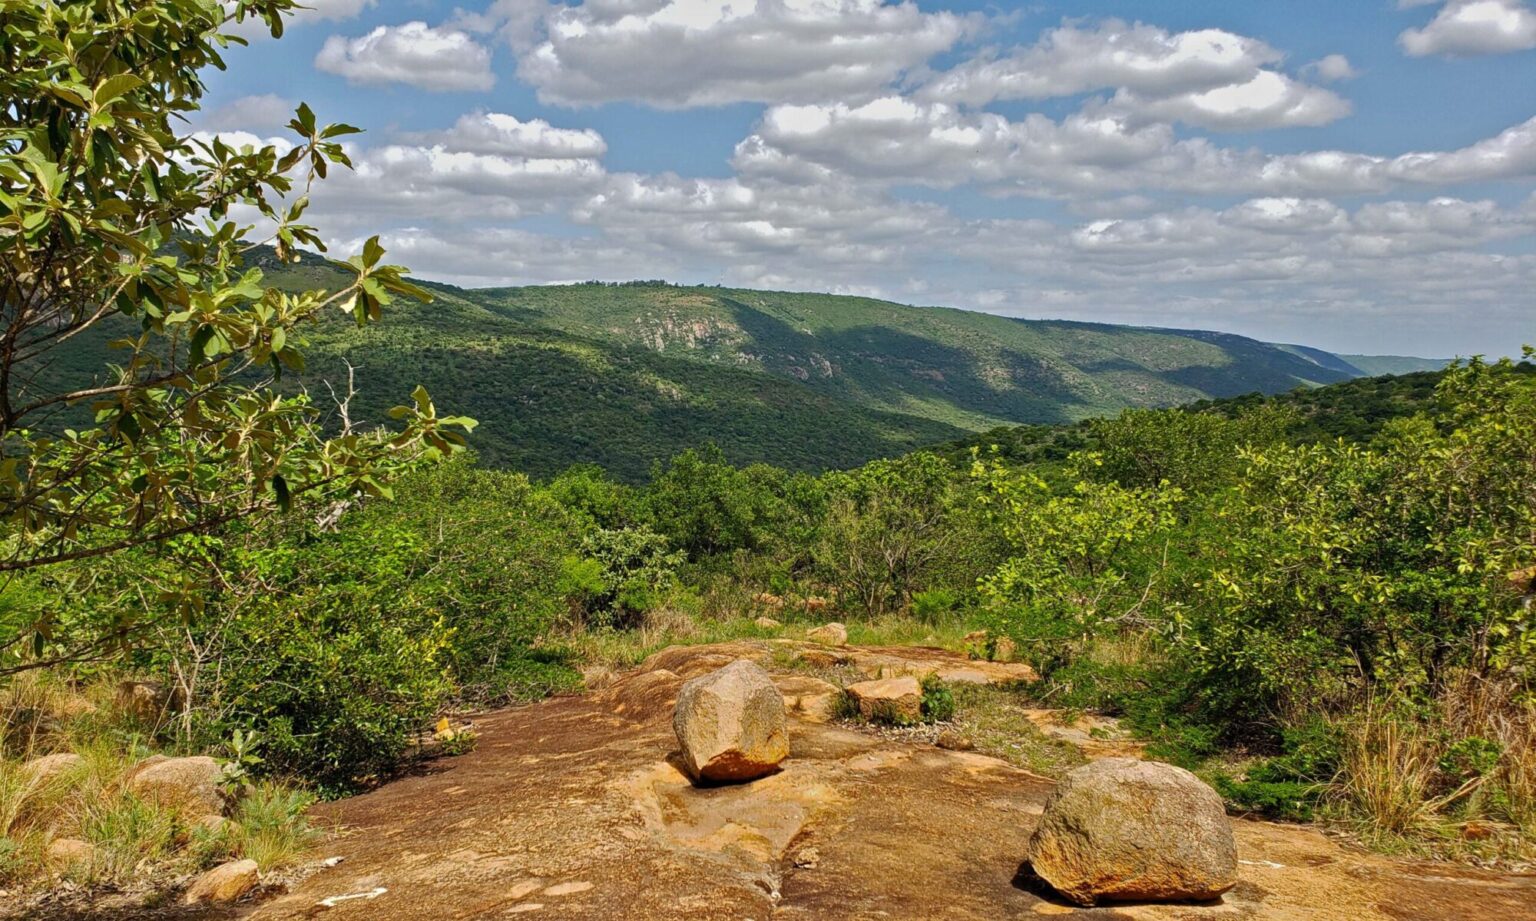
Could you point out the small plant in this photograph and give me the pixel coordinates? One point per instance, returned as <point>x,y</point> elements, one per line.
<point>271,827</point>
<point>934,604</point>
<point>242,759</point>
<point>938,701</point>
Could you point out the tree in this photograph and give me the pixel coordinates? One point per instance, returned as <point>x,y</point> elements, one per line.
<point>117,231</point>
<point>889,526</point>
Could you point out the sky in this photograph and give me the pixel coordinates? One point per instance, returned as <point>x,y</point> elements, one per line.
<point>1358,176</point>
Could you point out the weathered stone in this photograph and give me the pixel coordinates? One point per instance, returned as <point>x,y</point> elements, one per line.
<point>951,740</point>
<point>1005,650</point>
<point>70,851</point>
<point>833,634</point>
<point>597,677</point>
<point>1125,830</point>
<point>224,883</point>
<point>189,782</point>
<point>767,623</point>
<point>149,701</point>
<point>731,724</point>
<point>49,767</point>
<point>890,700</point>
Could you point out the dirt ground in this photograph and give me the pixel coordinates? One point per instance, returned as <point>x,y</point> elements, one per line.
<point>573,809</point>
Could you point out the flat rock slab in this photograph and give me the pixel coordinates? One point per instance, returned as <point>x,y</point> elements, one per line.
<point>571,809</point>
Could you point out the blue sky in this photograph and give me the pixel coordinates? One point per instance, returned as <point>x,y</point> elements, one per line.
<point>1358,176</point>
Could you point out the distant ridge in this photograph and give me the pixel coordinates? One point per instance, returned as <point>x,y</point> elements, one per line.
<point>624,375</point>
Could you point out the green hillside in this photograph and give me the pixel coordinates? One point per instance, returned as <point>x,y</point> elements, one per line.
<point>626,375</point>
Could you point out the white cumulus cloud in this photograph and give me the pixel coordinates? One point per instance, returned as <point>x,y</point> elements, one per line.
<point>439,59</point>
<point>680,53</point>
<point>1472,27</point>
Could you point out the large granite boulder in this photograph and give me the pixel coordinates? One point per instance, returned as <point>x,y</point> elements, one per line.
<point>189,783</point>
<point>1125,830</point>
<point>731,724</point>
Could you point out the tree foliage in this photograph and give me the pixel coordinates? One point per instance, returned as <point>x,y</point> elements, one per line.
<point>115,221</point>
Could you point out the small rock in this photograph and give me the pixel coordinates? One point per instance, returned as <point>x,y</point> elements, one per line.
<point>1005,650</point>
<point>212,824</point>
<point>224,883</point>
<point>149,701</point>
<point>70,850</point>
<point>891,700</point>
<point>193,782</point>
<point>767,623</point>
<point>833,634</point>
<point>731,724</point>
<point>597,677</point>
<point>1127,830</point>
<point>951,740</point>
<point>48,767</point>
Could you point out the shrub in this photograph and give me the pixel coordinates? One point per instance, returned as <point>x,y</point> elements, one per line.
<point>938,700</point>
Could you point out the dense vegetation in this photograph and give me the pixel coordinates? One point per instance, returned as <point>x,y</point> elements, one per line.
<point>1226,582</point>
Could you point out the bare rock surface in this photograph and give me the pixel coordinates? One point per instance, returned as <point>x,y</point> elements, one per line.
<point>1121,830</point>
<point>572,809</point>
<point>730,724</point>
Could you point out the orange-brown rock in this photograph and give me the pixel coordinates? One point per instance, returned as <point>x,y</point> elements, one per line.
<point>224,883</point>
<point>191,783</point>
<point>731,724</point>
<point>889,700</point>
<point>833,634</point>
<point>1125,830</point>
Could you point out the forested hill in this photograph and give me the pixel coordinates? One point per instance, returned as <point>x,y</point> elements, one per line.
<point>624,375</point>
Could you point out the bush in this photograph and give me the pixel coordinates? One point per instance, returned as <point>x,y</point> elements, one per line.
<point>938,700</point>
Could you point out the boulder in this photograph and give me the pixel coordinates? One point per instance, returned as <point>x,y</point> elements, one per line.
<point>224,883</point>
<point>597,677</point>
<point>1005,650</point>
<point>48,767</point>
<point>148,701</point>
<point>1121,830</point>
<point>833,634</point>
<point>189,782</point>
<point>1523,581</point>
<point>767,623</point>
<point>889,700</point>
<point>70,851</point>
<point>731,724</point>
<point>951,740</point>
